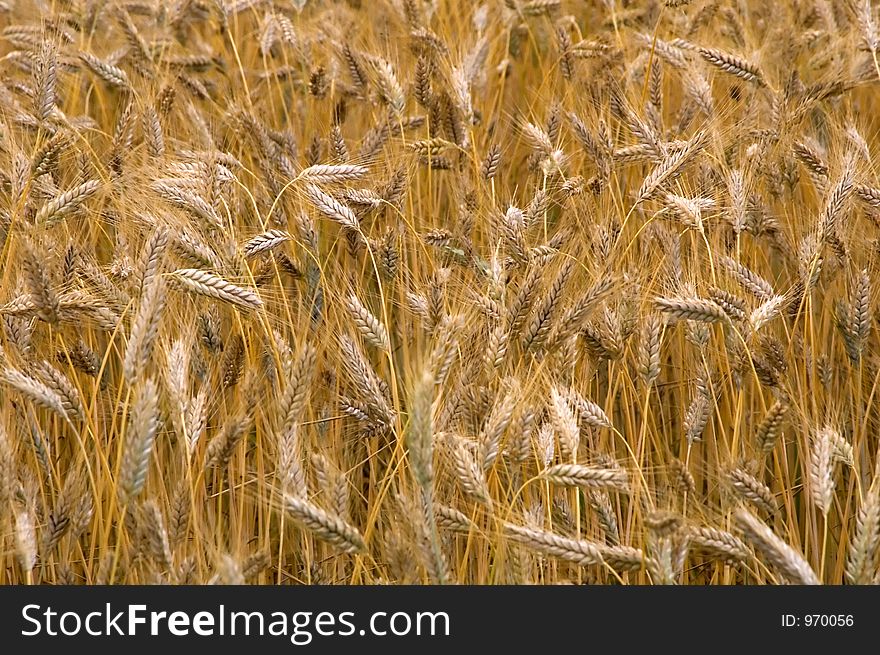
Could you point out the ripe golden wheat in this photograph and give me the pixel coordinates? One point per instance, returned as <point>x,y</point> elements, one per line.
<point>435,291</point>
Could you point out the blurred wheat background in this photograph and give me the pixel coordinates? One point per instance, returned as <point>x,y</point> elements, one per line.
<point>436,291</point>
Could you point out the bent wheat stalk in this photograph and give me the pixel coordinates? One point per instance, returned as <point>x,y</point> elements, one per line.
<point>324,525</point>
<point>214,286</point>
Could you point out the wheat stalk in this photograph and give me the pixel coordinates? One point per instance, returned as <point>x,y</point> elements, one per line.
<point>692,309</point>
<point>264,242</point>
<point>323,525</point>
<point>577,475</point>
<point>66,203</point>
<point>213,286</point>
<point>732,64</point>
<point>779,554</point>
<point>139,439</point>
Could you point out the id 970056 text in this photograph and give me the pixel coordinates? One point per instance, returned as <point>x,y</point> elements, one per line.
<point>817,620</point>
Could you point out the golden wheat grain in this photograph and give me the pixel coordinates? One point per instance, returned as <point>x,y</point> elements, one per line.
<point>213,286</point>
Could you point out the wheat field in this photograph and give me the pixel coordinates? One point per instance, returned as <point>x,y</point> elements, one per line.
<point>439,292</point>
